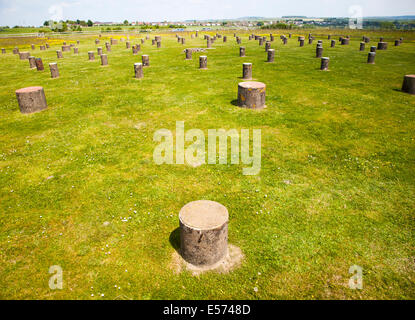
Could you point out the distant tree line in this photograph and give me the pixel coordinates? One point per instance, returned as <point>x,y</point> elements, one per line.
<point>284,26</point>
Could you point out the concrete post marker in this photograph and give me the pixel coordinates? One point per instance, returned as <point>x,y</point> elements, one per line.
<point>251,95</point>
<point>31,99</point>
<point>203,232</point>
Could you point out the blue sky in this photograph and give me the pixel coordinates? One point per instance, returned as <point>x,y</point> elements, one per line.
<point>34,12</point>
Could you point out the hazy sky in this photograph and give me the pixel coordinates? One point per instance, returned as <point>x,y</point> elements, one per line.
<point>34,12</point>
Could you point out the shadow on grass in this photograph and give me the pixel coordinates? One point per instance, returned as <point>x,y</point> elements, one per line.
<point>235,102</point>
<point>175,239</point>
<point>398,90</point>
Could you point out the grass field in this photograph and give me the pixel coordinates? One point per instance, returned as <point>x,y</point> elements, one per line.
<point>336,186</point>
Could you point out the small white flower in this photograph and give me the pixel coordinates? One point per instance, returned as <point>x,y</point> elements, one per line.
<point>255,289</point>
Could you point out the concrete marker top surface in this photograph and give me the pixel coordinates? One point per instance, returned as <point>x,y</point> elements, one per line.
<point>29,89</point>
<point>203,214</point>
<point>252,85</point>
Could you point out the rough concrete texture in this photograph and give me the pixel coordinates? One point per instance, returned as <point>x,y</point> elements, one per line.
<point>203,232</point>
<point>409,84</point>
<point>251,94</point>
<point>31,99</point>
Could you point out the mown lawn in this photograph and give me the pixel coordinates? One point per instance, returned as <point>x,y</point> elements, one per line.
<point>336,186</point>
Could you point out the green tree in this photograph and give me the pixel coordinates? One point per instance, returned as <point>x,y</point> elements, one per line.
<point>46,23</point>
<point>126,22</point>
<point>90,23</point>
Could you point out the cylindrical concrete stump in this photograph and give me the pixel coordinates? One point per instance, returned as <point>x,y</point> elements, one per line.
<point>142,41</point>
<point>59,54</point>
<point>242,51</point>
<point>54,72</point>
<point>397,43</point>
<point>225,39</point>
<point>138,70</point>
<point>373,49</point>
<point>31,99</point>
<point>157,38</point>
<point>367,40</point>
<point>319,51</point>
<point>333,43</point>
<point>362,46</point>
<point>271,55</point>
<point>382,45</point>
<point>138,47</point>
<point>251,94</point>
<point>183,40</point>
<point>153,42</point>
<point>32,62</point>
<point>75,50</point>
<point>260,41</point>
<point>324,63</point>
<point>15,50</point>
<point>203,232</point>
<point>96,41</point>
<point>3,51</point>
<point>145,60</point>
<point>135,50</point>
<point>42,48</point>
<point>203,62</point>
<point>284,41</point>
<point>91,55</point>
<point>371,57</point>
<point>345,41</point>
<point>108,47</point>
<point>267,46</point>
<point>39,64</point>
<point>208,43</point>
<point>301,42</point>
<point>104,60</point>
<point>24,55</point>
<point>128,44</point>
<point>310,41</point>
<point>320,42</point>
<point>188,53</point>
<point>247,71</point>
<point>158,44</point>
<point>409,84</point>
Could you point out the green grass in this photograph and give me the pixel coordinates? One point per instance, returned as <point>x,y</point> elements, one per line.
<point>336,187</point>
